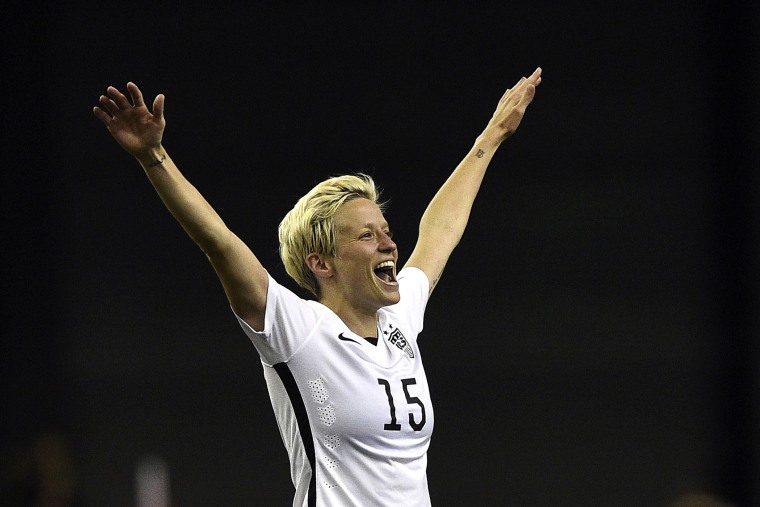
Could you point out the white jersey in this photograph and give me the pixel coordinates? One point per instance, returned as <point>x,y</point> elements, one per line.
<point>355,417</point>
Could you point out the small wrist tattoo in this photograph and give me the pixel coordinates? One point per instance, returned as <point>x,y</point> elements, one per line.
<point>480,153</point>
<point>158,162</point>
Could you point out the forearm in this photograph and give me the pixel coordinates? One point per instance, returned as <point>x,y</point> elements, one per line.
<point>447,214</point>
<point>184,202</point>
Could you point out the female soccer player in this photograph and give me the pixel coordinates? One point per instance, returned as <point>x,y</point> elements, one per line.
<point>343,371</point>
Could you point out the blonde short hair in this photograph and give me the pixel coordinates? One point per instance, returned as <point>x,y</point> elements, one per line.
<point>309,227</point>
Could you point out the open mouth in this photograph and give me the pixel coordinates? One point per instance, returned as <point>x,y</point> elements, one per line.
<point>386,271</point>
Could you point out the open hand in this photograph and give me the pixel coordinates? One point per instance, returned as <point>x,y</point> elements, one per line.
<point>134,127</point>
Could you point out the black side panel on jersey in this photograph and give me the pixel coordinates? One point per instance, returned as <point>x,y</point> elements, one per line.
<point>304,428</point>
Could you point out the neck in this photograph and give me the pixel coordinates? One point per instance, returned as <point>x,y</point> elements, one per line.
<point>363,323</point>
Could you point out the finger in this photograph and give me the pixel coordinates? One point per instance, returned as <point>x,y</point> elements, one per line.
<point>118,98</point>
<point>158,106</point>
<point>134,91</point>
<point>536,76</point>
<point>101,115</point>
<point>109,105</point>
<point>530,92</point>
<point>526,97</point>
<point>516,90</point>
<point>519,85</point>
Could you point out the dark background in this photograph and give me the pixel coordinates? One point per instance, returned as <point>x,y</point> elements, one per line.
<point>594,340</point>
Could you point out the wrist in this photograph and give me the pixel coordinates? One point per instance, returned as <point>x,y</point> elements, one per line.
<point>489,139</point>
<point>152,157</point>
<point>486,142</point>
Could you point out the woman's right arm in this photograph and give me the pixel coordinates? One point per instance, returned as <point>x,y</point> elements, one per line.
<point>140,131</point>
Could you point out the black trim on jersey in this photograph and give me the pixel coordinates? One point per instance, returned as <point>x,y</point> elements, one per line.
<point>304,428</point>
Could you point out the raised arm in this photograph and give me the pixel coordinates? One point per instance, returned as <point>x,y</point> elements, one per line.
<point>446,216</point>
<point>140,131</point>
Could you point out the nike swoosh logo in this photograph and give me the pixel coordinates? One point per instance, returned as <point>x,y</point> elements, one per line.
<point>345,339</point>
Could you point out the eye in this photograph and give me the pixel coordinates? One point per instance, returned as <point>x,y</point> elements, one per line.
<point>365,235</point>
<point>389,233</point>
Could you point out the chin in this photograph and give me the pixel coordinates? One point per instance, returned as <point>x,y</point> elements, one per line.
<point>387,294</point>
<point>393,299</point>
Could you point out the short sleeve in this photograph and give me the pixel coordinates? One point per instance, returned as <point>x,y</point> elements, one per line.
<point>414,288</point>
<point>288,322</point>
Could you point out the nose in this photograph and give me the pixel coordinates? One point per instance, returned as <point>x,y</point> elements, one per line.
<point>386,243</point>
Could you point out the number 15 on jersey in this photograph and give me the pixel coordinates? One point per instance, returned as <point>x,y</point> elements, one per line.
<point>416,416</point>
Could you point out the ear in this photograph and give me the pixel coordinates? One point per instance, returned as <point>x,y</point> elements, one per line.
<point>319,265</point>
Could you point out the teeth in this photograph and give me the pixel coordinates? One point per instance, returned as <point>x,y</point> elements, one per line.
<point>386,264</point>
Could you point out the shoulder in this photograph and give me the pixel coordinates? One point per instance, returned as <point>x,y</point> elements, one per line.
<point>411,275</point>
<point>414,290</point>
<point>413,284</point>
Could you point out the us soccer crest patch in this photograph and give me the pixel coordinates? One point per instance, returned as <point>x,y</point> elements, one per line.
<point>398,339</point>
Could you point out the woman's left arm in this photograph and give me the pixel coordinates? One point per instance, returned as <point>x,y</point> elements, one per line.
<point>445,218</point>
